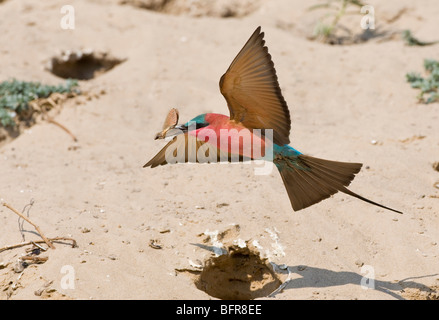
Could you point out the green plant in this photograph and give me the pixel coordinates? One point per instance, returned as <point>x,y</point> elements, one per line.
<point>429,86</point>
<point>410,40</point>
<point>15,96</point>
<point>339,8</point>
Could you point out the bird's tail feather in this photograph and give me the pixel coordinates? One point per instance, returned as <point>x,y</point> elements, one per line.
<point>309,180</point>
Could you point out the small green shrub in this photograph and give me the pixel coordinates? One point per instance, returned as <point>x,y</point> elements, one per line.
<point>325,30</point>
<point>15,96</point>
<point>429,86</point>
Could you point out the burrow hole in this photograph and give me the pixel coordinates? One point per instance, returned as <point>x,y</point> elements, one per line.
<point>240,274</point>
<point>81,64</point>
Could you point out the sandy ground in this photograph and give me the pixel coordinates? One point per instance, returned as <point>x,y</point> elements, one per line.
<point>144,233</point>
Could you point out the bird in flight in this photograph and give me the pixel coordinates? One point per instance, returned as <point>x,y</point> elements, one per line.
<point>250,87</point>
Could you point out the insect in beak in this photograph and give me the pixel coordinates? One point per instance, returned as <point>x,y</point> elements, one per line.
<point>170,123</point>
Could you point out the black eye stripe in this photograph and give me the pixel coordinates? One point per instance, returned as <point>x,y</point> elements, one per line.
<point>197,126</point>
<point>201,125</point>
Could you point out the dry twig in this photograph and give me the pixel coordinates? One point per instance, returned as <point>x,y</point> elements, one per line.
<point>51,120</point>
<point>34,225</point>
<point>56,239</point>
<point>35,259</point>
<point>53,101</point>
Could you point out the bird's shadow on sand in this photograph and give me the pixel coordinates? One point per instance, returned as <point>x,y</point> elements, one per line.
<point>311,277</point>
<point>301,276</point>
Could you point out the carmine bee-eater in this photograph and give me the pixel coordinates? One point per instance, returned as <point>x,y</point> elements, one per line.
<point>256,106</point>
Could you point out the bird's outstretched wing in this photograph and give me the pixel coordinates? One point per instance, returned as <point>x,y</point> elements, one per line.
<point>252,91</point>
<point>185,148</point>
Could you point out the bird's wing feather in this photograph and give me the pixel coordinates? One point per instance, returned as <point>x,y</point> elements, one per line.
<point>252,91</point>
<point>187,148</point>
<point>178,150</point>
